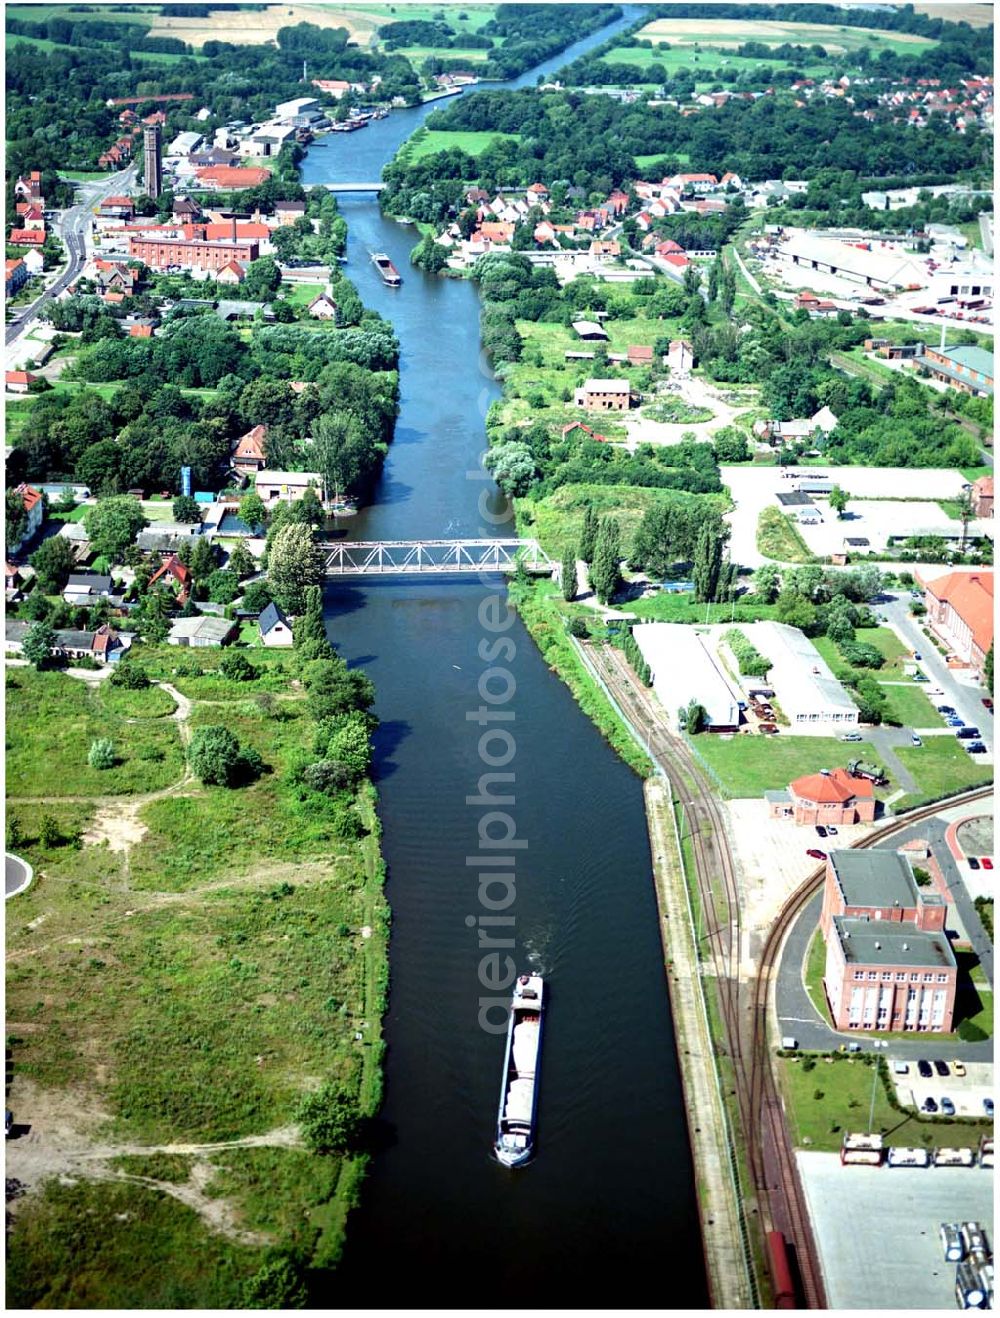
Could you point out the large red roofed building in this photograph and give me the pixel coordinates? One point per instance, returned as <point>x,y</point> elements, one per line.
<point>227,177</point>
<point>161,253</point>
<point>27,237</point>
<point>833,797</point>
<point>960,611</point>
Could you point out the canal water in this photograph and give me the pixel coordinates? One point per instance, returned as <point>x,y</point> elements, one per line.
<point>606,1213</point>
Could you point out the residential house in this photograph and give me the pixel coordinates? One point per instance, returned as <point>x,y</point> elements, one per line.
<point>808,301</point>
<point>599,395</point>
<point>19,382</point>
<point>248,455</point>
<point>173,570</point>
<point>574,426</point>
<point>30,188</point>
<point>323,307</point>
<point>87,588</point>
<point>696,183</point>
<point>590,331</point>
<point>287,212</point>
<point>274,627</point>
<point>828,797</point>
<point>286,486</point>
<point>12,579</point>
<point>201,631</point>
<point>33,218</point>
<point>782,432</point>
<point>140,330</point>
<point>889,962</point>
<point>108,646</point>
<point>960,610</point>
<point>544,234</point>
<point>185,210</point>
<point>680,357</point>
<point>233,273</point>
<point>34,262</point>
<point>610,248</point>
<point>15,275</point>
<point>34,506</point>
<point>982,496</point>
<point>27,237</point>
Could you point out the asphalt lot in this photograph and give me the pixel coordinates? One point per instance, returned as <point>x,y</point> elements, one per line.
<point>18,874</point>
<point>899,1263</point>
<point>966,1092</point>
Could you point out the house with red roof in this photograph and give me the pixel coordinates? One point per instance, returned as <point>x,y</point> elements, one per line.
<point>591,434</point>
<point>34,506</point>
<point>30,188</point>
<point>15,275</point>
<point>226,178</point>
<point>639,354</point>
<point>175,570</point>
<point>27,237</point>
<point>18,382</point>
<point>248,454</point>
<point>33,217</point>
<point>829,797</point>
<point>537,192</point>
<point>960,610</point>
<point>233,273</point>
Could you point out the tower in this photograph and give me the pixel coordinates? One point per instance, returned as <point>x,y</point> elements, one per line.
<point>151,160</point>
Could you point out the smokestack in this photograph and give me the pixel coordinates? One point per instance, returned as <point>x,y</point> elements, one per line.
<point>234,228</point>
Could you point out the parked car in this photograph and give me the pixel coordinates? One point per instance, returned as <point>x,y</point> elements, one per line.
<point>851,736</point>
<point>917,655</point>
<point>8,1124</point>
<point>941,1067</point>
<point>946,709</point>
<point>924,1069</point>
<point>816,853</point>
<point>831,829</point>
<point>968,734</point>
<point>973,863</point>
<point>988,1106</point>
<point>958,1068</point>
<point>976,747</point>
<point>988,703</point>
<point>920,676</point>
<point>915,739</point>
<point>929,1105</point>
<point>821,831</point>
<point>986,863</point>
<point>947,1107</point>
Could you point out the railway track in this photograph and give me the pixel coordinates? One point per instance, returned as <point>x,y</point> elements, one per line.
<point>743,1007</point>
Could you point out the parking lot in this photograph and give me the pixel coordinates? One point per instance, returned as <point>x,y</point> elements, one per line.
<point>966,1092</point>
<point>876,520</point>
<point>898,1263</point>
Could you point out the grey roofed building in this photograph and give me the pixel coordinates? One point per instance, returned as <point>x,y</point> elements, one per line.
<point>875,878</point>
<point>229,309</point>
<point>891,943</point>
<point>796,499</point>
<point>92,582</point>
<point>75,531</point>
<point>201,630</point>
<point>159,541</point>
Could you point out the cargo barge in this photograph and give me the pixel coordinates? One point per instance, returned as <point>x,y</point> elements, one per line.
<point>390,275</point>
<point>515,1137</point>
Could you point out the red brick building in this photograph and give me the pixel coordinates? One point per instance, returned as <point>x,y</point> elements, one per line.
<point>982,496</point>
<point>960,610</point>
<point>825,798</point>
<point>889,964</point>
<point>159,253</point>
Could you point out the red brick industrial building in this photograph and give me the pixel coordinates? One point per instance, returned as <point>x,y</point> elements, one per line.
<point>825,798</point>
<point>889,964</point>
<point>160,253</point>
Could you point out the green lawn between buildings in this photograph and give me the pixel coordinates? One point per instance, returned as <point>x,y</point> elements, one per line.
<point>191,993</point>
<point>747,766</point>
<point>941,767</point>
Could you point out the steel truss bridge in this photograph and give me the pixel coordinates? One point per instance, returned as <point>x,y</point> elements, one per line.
<point>359,558</point>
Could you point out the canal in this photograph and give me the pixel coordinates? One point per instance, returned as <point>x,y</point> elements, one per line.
<point>606,1214</point>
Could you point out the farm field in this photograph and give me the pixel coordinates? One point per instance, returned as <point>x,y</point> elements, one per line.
<point>426,142</point>
<point>467,18</point>
<point>724,33</point>
<point>143,15</point>
<point>445,52</point>
<point>682,57</point>
<point>251,28</point>
<point>149,56</point>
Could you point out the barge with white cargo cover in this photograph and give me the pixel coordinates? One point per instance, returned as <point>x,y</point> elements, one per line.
<point>515,1135</point>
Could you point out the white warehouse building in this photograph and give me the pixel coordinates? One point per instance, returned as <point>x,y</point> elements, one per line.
<point>684,668</point>
<point>809,695</point>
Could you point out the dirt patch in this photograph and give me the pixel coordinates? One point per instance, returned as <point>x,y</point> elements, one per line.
<point>118,826</point>
<point>722,32</point>
<point>975,836</point>
<point>254,29</point>
<point>974,15</point>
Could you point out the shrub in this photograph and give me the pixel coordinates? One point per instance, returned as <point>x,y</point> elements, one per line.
<point>101,754</point>
<point>578,628</point>
<point>236,667</point>
<point>49,834</point>
<point>130,675</point>
<point>327,776</point>
<point>219,760</point>
<point>752,663</point>
<point>328,1119</point>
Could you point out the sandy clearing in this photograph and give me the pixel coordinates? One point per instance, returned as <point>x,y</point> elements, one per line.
<point>720,32</point>
<point>974,15</point>
<point>256,28</point>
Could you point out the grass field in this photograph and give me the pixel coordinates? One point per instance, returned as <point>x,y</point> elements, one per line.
<point>883,639</point>
<point>911,707</point>
<point>196,973</point>
<point>242,27</point>
<point>143,15</point>
<point>417,53</point>
<point>707,59</point>
<point>941,766</point>
<point>426,142</point>
<point>147,56</point>
<point>666,607</point>
<point>834,1096</point>
<point>778,538</point>
<point>724,33</point>
<point>747,766</point>
<point>300,295</point>
<point>643,162</point>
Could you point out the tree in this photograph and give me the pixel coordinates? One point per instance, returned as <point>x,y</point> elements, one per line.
<point>130,675</point>
<point>263,278</point>
<point>328,1119</point>
<point>767,582</point>
<point>588,536</point>
<point>241,561</point>
<point>257,596</point>
<point>218,759</point>
<point>222,586</point>
<point>203,562</point>
<point>966,512</point>
<point>101,754</point>
<point>277,1285</point>
<point>253,511</point>
<point>605,573</point>
<point>731,445</point>
<point>311,628</point>
<point>186,509</point>
<point>49,833</point>
<point>38,643</point>
<point>53,561</point>
<point>113,525</point>
<point>838,500</point>
<point>513,467</point>
<point>692,717</point>
<point>569,575</point>
<point>988,669</point>
<point>15,833</point>
<point>795,610</point>
<point>294,562</point>
<point>707,561</point>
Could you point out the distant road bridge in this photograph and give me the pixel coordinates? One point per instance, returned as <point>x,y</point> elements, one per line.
<point>363,558</point>
<point>348,187</point>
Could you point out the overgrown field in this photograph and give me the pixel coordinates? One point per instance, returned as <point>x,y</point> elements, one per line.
<point>181,971</point>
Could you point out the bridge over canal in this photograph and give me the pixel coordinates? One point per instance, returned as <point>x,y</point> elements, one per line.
<point>359,558</point>
<point>346,187</point>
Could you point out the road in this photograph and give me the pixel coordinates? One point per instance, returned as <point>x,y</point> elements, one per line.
<point>73,227</point>
<point>17,873</point>
<point>967,700</point>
